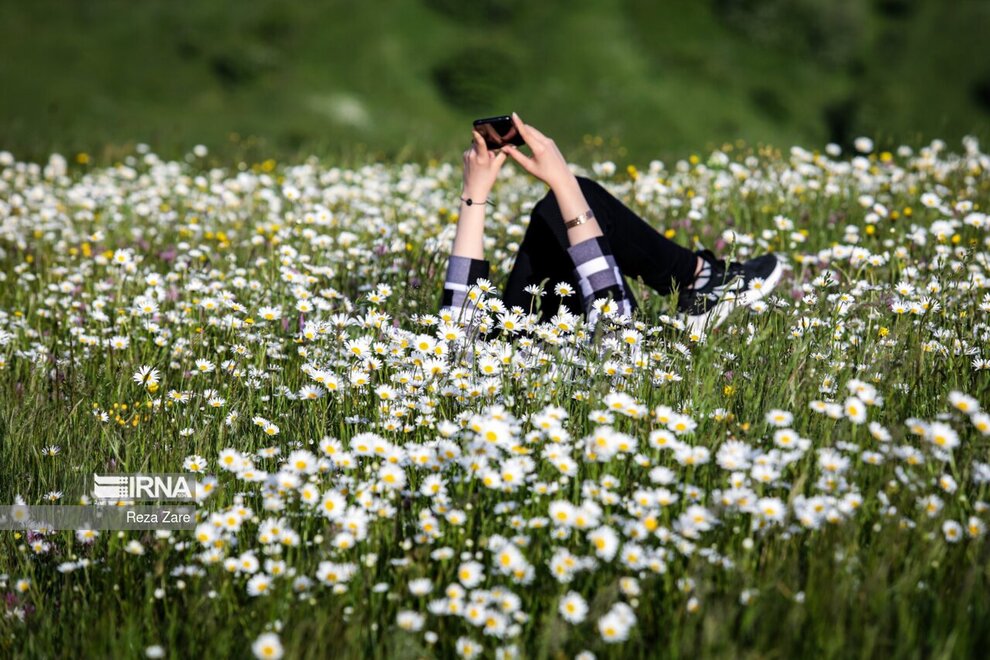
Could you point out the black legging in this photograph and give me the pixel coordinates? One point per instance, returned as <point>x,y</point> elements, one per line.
<point>639,250</point>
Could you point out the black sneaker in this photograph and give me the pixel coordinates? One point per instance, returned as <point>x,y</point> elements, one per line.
<point>729,285</point>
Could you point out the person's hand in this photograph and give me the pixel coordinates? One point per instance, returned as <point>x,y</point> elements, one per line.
<point>547,163</point>
<point>480,168</point>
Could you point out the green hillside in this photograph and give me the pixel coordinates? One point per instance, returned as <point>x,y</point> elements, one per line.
<point>402,78</point>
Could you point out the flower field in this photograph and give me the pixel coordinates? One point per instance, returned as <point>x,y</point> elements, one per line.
<point>809,479</point>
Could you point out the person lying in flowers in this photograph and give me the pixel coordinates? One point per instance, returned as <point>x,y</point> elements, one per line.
<point>583,240</point>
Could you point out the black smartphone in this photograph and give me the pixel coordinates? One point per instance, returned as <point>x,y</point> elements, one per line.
<point>498,131</point>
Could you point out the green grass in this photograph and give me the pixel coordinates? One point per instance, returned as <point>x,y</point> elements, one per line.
<point>357,80</point>
<point>876,582</point>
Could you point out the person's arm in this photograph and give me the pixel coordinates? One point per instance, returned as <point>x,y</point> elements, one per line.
<point>594,265</point>
<point>467,254</point>
<point>462,273</point>
<point>599,277</point>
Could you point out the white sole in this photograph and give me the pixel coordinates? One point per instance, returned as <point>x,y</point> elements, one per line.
<point>697,325</point>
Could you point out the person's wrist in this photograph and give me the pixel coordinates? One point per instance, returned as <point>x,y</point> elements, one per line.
<point>476,194</point>
<point>564,183</point>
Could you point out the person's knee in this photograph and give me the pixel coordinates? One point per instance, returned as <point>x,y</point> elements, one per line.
<point>544,209</point>
<point>592,189</point>
<point>548,207</point>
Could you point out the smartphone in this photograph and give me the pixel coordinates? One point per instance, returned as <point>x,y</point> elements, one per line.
<point>498,131</point>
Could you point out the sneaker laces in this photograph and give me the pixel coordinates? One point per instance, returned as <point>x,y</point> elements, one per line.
<point>704,276</point>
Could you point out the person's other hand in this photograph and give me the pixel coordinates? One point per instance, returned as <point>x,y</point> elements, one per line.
<point>547,163</point>
<point>480,168</point>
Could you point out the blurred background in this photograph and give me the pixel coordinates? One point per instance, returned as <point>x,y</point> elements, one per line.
<point>401,79</point>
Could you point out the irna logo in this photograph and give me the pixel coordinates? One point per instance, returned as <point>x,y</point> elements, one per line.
<point>138,487</point>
